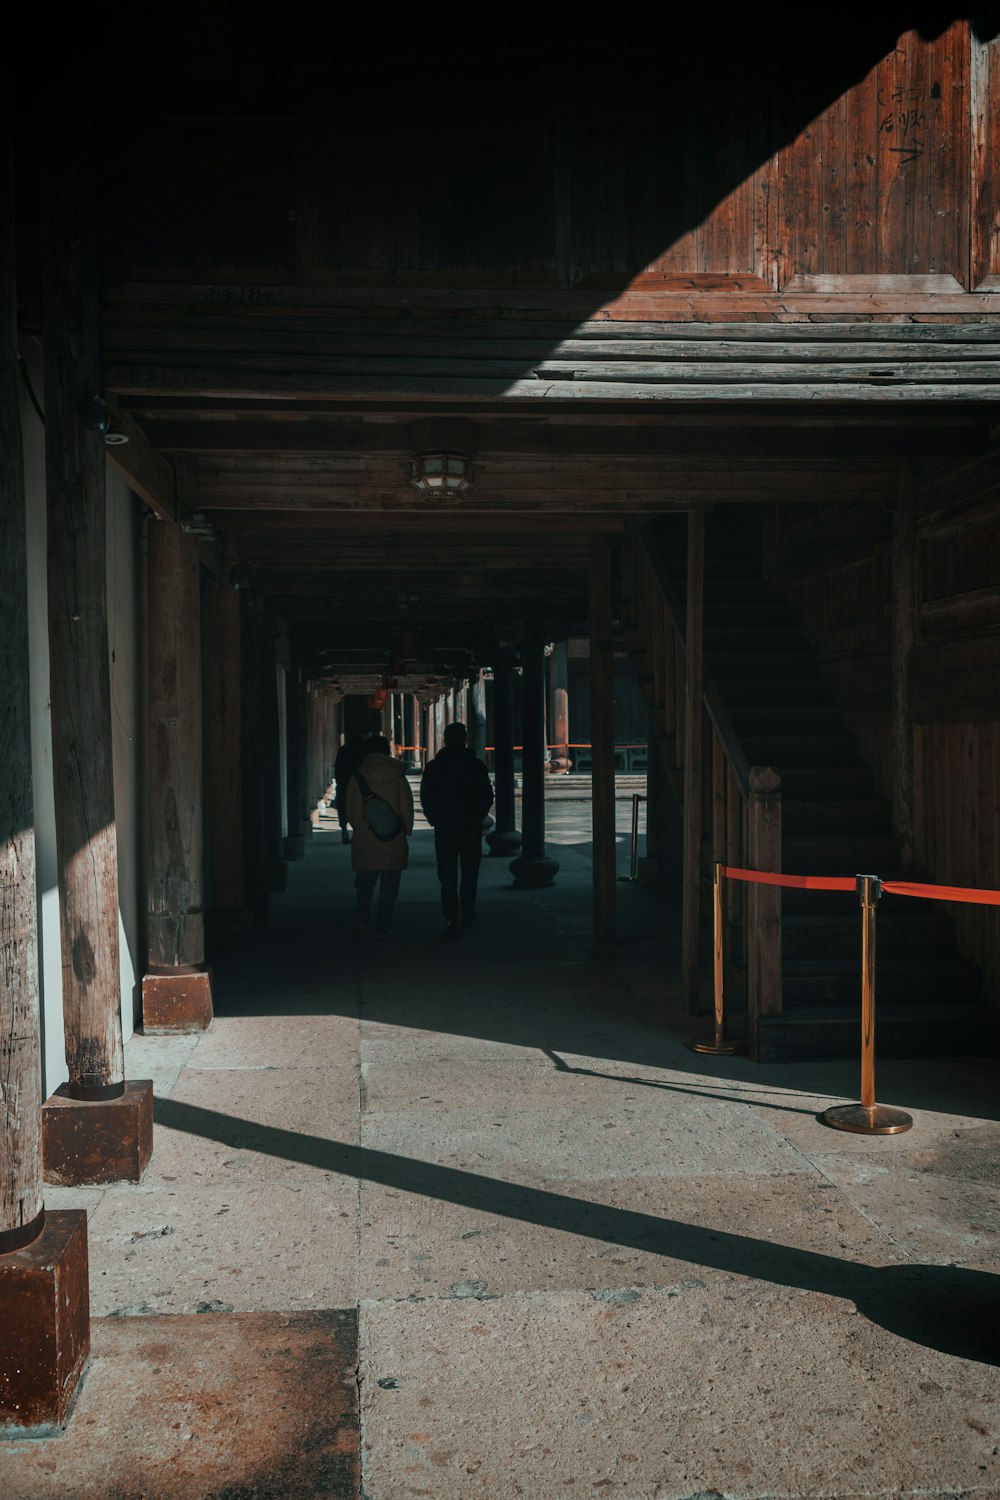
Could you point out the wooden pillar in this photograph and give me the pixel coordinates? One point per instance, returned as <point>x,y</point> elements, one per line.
<point>559,762</point>
<point>295,719</point>
<point>176,990</point>
<point>254,847</point>
<point>21,1201</point>
<point>78,629</point>
<point>602,738</point>
<point>532,867</point>
<point>504,838</point>
<point>270,739</point>
<point>44,1304</point>
<point>763,935</point>
<point>477,716</point>
<point>693,714</point>
<point>904,631</point>
<point>230,916</point>
<point>95,1128</point>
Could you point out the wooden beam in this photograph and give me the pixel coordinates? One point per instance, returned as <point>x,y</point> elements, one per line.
<point>148,473</point>
<point>21,1194</point>
<point>311,434</point>
<point>80,689</point>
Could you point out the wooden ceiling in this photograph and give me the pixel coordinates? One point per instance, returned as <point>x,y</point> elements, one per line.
<point>659,265</point>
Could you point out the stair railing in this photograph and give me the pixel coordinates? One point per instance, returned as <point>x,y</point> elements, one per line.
<point>741,804</point>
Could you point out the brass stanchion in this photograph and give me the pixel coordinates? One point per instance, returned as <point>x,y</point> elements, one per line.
<point>868,1118</point>
<point>634,862</point>
<point>721,1046</point>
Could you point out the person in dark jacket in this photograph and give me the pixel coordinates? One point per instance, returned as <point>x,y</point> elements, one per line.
<point>344,767</point>
<point>456,794</point>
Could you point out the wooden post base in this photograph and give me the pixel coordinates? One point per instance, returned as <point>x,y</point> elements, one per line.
<point>294,846</point>
<point>277,876</point>
<point>501,842</point>
<point>105,1140</point>
<point>531,872</point>
<point>180,1002</point>
<point>45,1317</point>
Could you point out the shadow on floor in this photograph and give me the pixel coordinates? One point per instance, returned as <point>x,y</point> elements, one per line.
<point>951,1309</point>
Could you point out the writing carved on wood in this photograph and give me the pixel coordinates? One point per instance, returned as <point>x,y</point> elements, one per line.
<point>902,122</point>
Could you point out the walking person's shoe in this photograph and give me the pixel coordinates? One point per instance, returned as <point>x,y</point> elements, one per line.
<point>452,930</point>
<point>345,837</point>
<point>468,917</point>
<point>361,924</point>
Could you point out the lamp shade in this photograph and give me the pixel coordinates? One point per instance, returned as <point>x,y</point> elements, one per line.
<point>447,475</point>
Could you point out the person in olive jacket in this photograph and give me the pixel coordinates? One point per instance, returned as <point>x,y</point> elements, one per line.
<point>456,794</point>
<point>375,860</point>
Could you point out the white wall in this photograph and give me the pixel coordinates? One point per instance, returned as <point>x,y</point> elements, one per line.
<point>126,614</point>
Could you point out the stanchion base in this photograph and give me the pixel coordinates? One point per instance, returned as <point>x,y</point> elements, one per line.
<point>719,1049</point>
<point>864,1119</point>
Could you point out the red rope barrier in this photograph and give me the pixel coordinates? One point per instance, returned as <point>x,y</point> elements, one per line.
<point>965,893</point>
<point>798,882</point>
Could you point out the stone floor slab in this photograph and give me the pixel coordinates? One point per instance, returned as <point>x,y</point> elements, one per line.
<point>205,1408</point>
<point>221,1126</point>
<point>250,1042</point>
<point>669,1394</point>
<point>160,1058</point>
<point>553,1144</point>
<point>247,1247</point>
<point>616,1233</point>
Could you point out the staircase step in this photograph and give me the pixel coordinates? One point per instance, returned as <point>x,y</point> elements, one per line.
<point>815,934</point>
<point>825,783</point>
<point>901,979</point>
<point>753,667</point>
<point>776,691</point>
<point>952,1029</point>
<point>797,751</point>
<point>811,719</point>
<point>738,635</point>
<point>847,854</point>
<point>864,816</point>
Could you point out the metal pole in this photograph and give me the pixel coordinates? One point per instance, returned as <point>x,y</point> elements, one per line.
<point>634,858</point>
<point>868,1118</point>
<point>721,1046</point>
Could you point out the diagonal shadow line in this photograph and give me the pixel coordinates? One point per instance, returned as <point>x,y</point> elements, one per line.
<point>950,1308</point>
<point>673,1088</point>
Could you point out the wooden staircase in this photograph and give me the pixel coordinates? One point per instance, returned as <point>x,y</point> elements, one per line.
<point>767,704</point>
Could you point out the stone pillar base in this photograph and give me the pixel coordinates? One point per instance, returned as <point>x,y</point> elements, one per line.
<point>506,841</point>
<point>530,872</point>
<point>277,875</point>
<point>45,1317</point>
<point>228,927</point>
<point>295,846</point>
<point>649,870</point>
<point>97,1140</point>
<point>179,1002</point>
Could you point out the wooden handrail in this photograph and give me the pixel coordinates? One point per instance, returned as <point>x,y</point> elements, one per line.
<point>714,705</point>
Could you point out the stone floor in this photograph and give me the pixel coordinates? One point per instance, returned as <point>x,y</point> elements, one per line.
<point>467,1219</point>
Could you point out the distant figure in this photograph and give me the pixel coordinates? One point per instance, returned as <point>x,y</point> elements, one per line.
<point>377,853</point>
<point>344,767</point>
<point>456,794</point>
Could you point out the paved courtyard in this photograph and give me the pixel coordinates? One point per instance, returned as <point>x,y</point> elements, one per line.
<point>467,1219</point>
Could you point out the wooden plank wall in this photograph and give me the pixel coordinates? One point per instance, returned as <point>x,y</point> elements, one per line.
<point>768,171</point>
<point>833,562</point>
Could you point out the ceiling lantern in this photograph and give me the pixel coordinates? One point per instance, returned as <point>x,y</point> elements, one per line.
<point>441,459</point>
